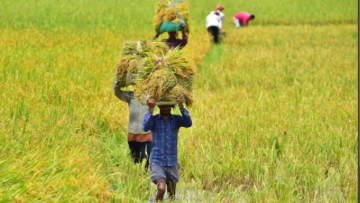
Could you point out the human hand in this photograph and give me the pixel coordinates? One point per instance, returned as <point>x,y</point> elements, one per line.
<point>151,103</point>
<point>180,101</point>
<point>182,26</point>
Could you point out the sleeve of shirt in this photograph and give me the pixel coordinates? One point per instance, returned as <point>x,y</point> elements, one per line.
<point>185,119</point>
<point>184,38</point>
<point>149,121</point>
<point>220,23</point>
<point>122,95</point>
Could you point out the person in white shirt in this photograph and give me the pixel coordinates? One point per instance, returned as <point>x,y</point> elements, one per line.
<point>140,142</point>
<point>213,25</point>
<point>220,8</point>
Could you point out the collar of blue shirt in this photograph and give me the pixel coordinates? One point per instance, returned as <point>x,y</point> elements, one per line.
<point>159,116</point>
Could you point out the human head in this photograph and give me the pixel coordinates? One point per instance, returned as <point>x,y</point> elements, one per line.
<point>220,8</point>
<point>165,110</point>
<point>252,17</point>
<point>216,13</point>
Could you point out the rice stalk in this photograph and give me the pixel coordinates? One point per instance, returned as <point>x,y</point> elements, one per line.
<point>171,14</point>
<point>172,76</point>
<point>134,53</point>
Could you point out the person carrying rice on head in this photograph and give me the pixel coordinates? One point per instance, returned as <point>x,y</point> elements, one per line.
<point>172,17</point>
<point>139,141</point>
<point>164,168</point>
<point>133,54</point>
<point>173,40</point>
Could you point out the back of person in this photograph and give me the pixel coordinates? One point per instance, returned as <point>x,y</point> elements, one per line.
<point>243,17</point>
<point>222,16</point>
<point>213,20</point>
<point>139,141</point>
<point>220,8</point>
<point>173,42</point>
<point>136,116</point>
<point>213,25</point>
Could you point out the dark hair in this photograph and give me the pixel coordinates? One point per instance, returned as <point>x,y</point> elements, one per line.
<point>252,16</point>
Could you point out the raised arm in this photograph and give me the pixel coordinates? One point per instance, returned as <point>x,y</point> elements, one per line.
<point>149,118</point>
<point>156,36</point>
<point>122,95</point>
<point>184,36</point>
<point>185,120</point>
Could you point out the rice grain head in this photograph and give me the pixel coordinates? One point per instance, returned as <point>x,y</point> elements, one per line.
<point>173,76</point>
<point>134,53</point>
<point>171,14</point>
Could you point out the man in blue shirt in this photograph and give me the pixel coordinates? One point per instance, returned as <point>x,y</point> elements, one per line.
<point>164,167</point>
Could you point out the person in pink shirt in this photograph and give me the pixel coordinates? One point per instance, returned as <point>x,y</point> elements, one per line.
<point>241,19</point>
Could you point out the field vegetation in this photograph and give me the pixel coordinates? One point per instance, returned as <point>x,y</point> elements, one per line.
<point>275,105</point>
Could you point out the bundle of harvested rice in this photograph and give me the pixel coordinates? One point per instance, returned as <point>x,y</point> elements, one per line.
<point>133,53</point>
<point>143,48</point>
<point>172,12</point>
<point>164,78</point>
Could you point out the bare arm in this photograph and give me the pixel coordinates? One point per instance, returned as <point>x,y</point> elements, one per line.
<point>184,36</point>
<point>156,36</point>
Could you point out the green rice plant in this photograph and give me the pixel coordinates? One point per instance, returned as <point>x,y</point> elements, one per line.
<point>289,79</point>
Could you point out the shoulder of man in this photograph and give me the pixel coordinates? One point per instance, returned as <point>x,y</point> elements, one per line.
<point>176,116</point>
<point>157,116</point>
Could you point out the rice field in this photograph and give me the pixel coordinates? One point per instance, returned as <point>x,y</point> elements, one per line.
<point>275,105</point>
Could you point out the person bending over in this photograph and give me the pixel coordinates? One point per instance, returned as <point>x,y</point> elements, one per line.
<point>213,25</point>
<point>219,9</point>
<point>242,19</point>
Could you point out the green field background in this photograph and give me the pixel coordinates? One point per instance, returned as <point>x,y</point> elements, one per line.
<point>275,113</point>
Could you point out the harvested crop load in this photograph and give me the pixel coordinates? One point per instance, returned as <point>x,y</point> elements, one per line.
<point>132,54</point>
<point>164,78</point>
<point>169,15</point>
